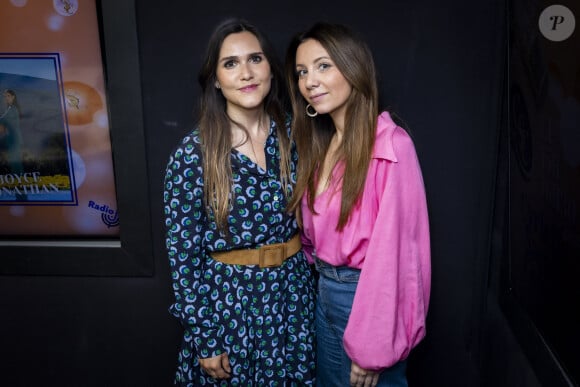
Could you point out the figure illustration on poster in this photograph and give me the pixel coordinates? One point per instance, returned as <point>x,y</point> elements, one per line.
<point>35,155</point>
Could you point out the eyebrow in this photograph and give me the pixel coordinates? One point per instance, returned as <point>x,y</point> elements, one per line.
<point>225,59</point>
<point>315,60</point>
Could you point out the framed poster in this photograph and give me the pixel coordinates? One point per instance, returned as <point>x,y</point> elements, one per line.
<point>55,149</point>
<point>73,181</point>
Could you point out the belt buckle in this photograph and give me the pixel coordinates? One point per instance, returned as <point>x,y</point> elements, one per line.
<point>272,255</point>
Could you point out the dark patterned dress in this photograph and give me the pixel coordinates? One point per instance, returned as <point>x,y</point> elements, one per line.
<point>262,318</point>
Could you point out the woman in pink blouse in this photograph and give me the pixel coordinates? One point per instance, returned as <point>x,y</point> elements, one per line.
<point>361,198</point>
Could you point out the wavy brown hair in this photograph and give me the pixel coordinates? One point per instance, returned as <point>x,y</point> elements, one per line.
<point>214,124</point>
<point>354,60</point>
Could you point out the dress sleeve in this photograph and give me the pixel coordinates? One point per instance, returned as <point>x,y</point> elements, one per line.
<point>185,220</point>
<point>390,305</point>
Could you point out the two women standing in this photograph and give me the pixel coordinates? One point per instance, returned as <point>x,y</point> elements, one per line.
<point>244,290</point>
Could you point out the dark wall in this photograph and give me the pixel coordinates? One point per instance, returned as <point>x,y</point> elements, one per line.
<point>441,66</point>
<point>535,258</point>
<point>442,71</point>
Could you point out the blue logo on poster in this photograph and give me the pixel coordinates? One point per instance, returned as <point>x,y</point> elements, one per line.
<point>109,216</point>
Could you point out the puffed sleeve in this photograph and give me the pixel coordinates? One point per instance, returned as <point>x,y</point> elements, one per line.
<point>390,305</point>
<point>185,223</point>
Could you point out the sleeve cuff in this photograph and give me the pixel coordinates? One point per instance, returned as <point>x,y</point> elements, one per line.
<point>206,341</point>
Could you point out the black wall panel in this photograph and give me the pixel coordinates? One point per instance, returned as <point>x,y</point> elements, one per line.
<point>441,67</point>
<point>542,296</point>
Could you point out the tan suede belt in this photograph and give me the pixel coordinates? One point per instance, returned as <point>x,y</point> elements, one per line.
<point>266,256</point>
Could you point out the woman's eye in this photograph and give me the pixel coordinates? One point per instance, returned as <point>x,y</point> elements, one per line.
<point>300,73</point>
<point>256,59</point>
<point>323,66</point>
<point>229,64</point>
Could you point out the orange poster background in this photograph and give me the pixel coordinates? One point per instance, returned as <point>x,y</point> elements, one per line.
<point>69,28</point>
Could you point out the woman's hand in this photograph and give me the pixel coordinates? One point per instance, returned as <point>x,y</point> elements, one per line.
<point>217,367</point>
<point>359,377</point>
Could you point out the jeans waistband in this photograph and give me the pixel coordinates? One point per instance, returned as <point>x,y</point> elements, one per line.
<point>337,273</point>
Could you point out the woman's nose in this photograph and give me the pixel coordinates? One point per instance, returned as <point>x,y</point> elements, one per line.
<point>311,81</point>
<point>246,71</point>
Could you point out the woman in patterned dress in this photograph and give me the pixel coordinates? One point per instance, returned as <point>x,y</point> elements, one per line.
<point>227,184</point>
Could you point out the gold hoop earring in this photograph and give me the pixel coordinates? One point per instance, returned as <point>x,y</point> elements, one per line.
<point>311,113</point>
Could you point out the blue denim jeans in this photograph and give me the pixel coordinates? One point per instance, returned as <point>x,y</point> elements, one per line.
<point>336,288</point>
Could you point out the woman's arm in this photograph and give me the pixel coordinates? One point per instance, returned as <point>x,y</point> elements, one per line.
<point>185,223</point>
<point>390,306</point>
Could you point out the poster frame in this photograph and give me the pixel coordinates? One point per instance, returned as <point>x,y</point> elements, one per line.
<point>131,254</point>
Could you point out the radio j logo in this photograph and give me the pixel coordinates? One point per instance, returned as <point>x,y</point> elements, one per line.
<point>109,216</point>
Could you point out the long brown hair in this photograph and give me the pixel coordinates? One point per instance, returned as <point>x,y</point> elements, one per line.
<point>214,124</point>
<point>312,135</point>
